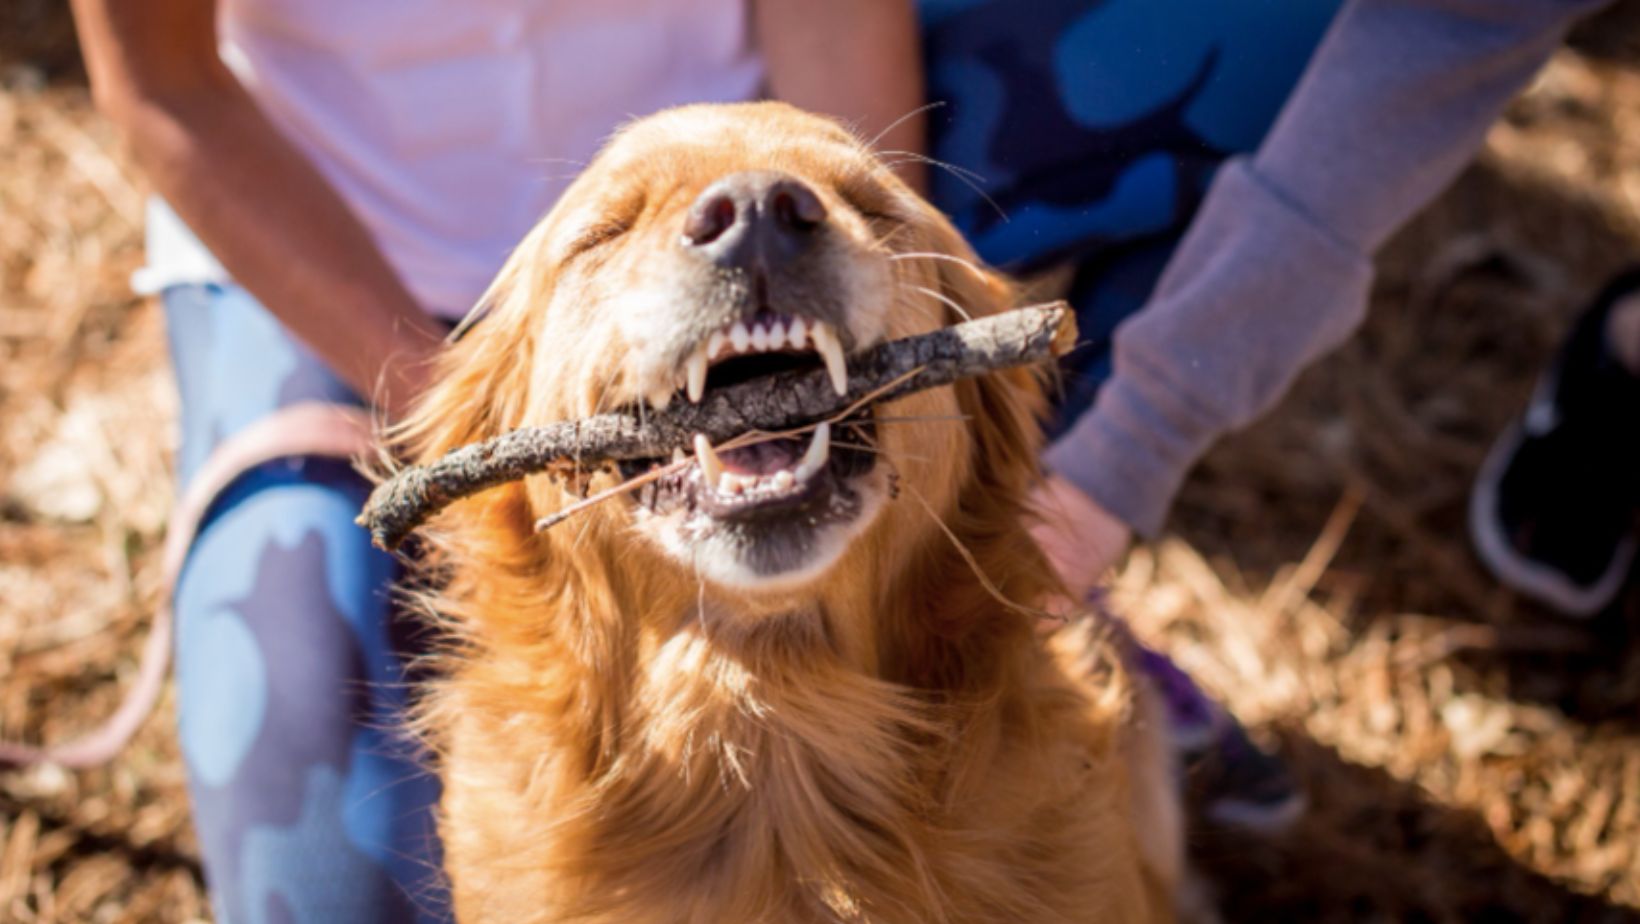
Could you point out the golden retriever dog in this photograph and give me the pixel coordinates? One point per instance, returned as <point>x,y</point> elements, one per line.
<point>798,681</point>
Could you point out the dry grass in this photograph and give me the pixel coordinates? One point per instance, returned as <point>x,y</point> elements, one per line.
<point>85,411</point>
<point>1468,757</point>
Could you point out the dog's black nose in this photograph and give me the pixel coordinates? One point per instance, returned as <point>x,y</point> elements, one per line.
<point>759,219</point>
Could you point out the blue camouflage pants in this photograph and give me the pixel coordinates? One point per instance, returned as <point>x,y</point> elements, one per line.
<point>1095,126</point>
<point>310,806</point>
<point>1086,132</point>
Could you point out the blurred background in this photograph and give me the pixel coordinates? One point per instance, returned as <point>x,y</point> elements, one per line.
<point>1468,757</point>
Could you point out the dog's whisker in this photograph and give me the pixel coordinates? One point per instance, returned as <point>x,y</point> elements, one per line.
<point>973,563</point>
<point>579,165</point>
<point>606,393</point>
<point>862,447</point>
<point>942,297</point>
<point>879,451</point>
<point>922,418</point>
<point>946,257</point>
<point>631,484</point>
<point>967,177</point>
<point>953,169</point>
<point>927,107</point>
<point>882,241</point>
<point>393,783</point>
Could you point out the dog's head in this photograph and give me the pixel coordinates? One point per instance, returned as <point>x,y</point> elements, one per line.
<point>708,245</point>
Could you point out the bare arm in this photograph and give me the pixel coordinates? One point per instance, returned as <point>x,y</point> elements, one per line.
<point>263,210</point>
<point>860,60</point>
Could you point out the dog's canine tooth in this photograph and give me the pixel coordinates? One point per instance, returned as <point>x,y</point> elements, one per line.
<point>760,338</point>
<point>831,350</point>
<point>740,337</point>
<point>697,375</point>
<point>818,452</point>
<point>777,335</point>
<point>678,455</point>
<point>714,344</point>
<point>711,467</point>
<point>797,336</point>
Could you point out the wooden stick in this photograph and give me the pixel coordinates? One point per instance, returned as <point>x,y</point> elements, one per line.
<point>777,402</point>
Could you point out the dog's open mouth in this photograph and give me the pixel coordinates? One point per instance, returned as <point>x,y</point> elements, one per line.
<point>787,476</point>
<point>753,477</point>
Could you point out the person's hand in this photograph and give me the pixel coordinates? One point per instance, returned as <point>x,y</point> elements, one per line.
<point>1082,539</point>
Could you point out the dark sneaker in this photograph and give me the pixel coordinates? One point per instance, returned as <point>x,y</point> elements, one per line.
<point>1231,781</point>
<point>1193,719</point>
<point>1237,784</point>
<point>1553,510</point>
<point>1228,779</point>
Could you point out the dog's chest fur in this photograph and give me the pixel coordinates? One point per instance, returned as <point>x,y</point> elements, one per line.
<point>780,786</point>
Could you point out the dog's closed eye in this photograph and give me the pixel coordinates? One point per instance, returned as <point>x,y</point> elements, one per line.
<point>597,235</point>
<point>870,201</point>
<point>881,217</point>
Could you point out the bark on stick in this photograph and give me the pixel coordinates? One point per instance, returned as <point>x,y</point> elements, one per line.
<point>776,402</point>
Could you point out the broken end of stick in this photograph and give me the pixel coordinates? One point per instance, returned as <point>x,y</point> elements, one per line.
<point>1065,334</point>
<point>380,539</point>
<point>380,536</point>
<point>388,516</point>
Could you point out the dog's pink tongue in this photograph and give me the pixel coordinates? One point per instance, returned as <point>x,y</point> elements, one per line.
<point>761,458</point>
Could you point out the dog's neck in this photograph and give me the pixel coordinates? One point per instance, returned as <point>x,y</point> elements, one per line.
<point>809,734</point>
<point>799,738</point>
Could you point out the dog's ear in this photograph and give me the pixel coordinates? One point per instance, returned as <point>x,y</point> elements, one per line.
<point>481,383</point>
<point>1005,407</point>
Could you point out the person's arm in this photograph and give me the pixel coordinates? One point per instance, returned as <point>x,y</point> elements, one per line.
<point>860,60</point>
<point>266,214</point>
<point>1276,268</point>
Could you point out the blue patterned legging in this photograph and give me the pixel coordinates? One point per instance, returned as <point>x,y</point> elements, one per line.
<point>310,807</point>
<point>1097,125</point>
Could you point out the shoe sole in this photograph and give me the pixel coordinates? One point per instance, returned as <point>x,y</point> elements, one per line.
<point>1522,574</point>
<point>1255,817</point>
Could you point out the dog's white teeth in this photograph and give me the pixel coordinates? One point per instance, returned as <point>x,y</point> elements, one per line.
<point>740,337</point>
<point>678,455</point>
<point>714,344</point>
<point>777,336</point>
<point>732,484</point>
<point>818,452</point>
<point>760,339</point>
<point>783,480</point>
<point>711,467</point>
<point>797,336</point>
<point>661,396</point>
<point>697,376</point>
<point>831,351</point>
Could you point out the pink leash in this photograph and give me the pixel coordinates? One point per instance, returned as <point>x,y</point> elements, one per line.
<point>308,429</point>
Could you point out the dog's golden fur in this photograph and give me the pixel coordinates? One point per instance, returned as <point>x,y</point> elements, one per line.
<point>623,741</point>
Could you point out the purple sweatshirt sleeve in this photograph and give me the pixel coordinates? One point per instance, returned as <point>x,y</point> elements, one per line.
<point>1276,268</point>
